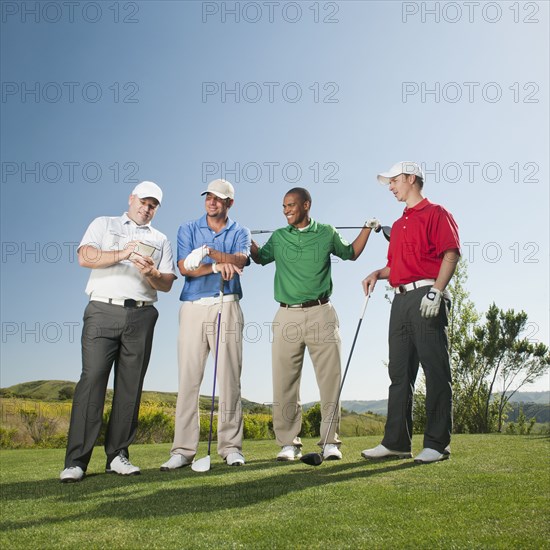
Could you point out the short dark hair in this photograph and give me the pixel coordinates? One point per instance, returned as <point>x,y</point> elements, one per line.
<point>301,192</point>
<point>420,182</point>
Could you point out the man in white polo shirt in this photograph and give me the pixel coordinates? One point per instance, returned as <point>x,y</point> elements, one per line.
<point>210,248</point>
<point>130,262</point>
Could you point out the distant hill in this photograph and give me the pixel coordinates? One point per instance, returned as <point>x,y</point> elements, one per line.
<point>376,407</point>
<point>62,390</point>
<point>45,390</point>
<point>540,412</point>
<point>538,397</point>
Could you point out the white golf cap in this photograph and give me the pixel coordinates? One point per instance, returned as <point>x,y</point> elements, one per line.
<point>148,189</point>
<point>220,188</point>
<point>403,167</point>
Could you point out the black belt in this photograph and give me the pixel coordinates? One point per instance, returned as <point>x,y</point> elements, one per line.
<point>311,303</point>
<point>121,302</point>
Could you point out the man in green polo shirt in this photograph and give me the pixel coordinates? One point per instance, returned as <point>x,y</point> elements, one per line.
<point>301,252</point>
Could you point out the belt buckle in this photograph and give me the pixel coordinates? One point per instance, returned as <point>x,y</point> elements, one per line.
<point>402,289</point>
<point>130,303</point>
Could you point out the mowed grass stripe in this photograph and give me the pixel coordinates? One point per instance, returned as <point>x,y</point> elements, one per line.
<point>492,493</point>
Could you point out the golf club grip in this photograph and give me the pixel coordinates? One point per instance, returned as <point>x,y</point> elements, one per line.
<point>367,298</point>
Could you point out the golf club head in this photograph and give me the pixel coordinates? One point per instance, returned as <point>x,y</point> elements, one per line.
<point>312,459</point>
<point>201,465</point>
<point>386,231</point>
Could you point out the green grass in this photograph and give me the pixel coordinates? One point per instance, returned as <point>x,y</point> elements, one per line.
<point>493,493</point>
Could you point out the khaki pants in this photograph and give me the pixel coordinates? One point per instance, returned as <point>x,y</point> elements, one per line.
<point>197,338</point>
<point>294,329</point>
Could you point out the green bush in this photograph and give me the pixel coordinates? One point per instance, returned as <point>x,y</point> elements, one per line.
<point>311,421</point>
<point>204,420</point>
<point>419,412</point>
<point>522,427</point>
<point>8,438</point>
<point>257,426</point>
<point>155,426</point>
<point>56,441</point>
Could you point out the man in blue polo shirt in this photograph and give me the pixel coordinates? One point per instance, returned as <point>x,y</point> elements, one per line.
<point>211,247</point>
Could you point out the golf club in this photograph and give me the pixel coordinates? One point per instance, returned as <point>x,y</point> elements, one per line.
<point>386,230</point>
<point>314,459</point>
<point>203,464</point>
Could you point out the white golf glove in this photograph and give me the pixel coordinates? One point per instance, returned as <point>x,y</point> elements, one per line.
<point>429,306</point>
<point>373,223</point>
<point>195,258</point>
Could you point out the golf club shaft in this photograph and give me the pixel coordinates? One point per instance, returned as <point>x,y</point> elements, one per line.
<point>260,231</point>
<point>337,405</point>
<point>219,322</point>
<point>386,230</point>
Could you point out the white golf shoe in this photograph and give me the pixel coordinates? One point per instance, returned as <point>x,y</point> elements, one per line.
<point>122,466</point>
<point>383,452</point>
<point>431,455</point>
<point>71,474</point>
<point>175,462</point>
<point>234,459</point>
<point>289,452</point>
<point>332,452</point>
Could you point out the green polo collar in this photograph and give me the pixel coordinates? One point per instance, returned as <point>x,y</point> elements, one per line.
<point>311,227</point>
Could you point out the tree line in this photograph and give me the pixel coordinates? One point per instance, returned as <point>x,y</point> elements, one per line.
<point>491,359</point>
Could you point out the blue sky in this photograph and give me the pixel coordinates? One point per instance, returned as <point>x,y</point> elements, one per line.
<point>322,94</point>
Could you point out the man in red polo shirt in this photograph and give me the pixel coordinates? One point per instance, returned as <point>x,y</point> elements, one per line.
<point>422,257</point>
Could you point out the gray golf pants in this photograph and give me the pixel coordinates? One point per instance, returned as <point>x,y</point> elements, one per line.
<point>116,335</point>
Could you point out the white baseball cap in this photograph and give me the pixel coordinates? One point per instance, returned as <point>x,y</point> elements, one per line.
<point>403,167</point>
<point>148,189</point>
<point>220,188</point>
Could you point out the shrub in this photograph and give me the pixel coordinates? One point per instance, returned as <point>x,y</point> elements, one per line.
<point>522,427</point>
<point>204,420</point>
<point>154,426</point>
<point>311,421</point>
<point>56,441</point>
<point>256,426</point>
<point>8,438</point>
<point>40,427</point>
<point>419,412</point>
<point>67,392</point>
